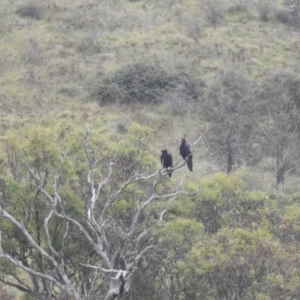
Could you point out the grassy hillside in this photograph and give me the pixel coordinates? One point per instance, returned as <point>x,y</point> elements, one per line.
<point>53,54</point>
<point>52,51</point>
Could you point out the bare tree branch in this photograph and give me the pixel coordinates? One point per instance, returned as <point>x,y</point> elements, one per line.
<point>117,245</point>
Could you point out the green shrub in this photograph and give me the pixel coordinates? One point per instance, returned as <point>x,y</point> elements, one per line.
<point>264,8</point>
<point>33,10</point>
<point>284,16</point>
<point>144,83</point>
<point>214,13</point>
<point>239,5</point>
<point>88,45</point>
<point>194,28</point>
<point>293,6</point>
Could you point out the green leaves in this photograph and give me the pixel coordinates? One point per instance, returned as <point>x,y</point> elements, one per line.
<point>225,110</point>
<point>219,186</point>
<point>181,232</point>
<point>143,82</point>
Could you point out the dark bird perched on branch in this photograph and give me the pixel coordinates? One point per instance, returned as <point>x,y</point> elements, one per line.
<point>186,153</point>
<point>166,160</point>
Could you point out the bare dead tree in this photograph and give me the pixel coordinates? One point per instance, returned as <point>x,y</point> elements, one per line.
<point>117,247</point>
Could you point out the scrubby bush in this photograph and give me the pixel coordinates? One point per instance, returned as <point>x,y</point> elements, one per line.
<point>239,5</point>
<point>194,27</point>
<point>32,51</point>
<point>144,83</point>
<point>293,6</point>
<point>226,109</point>
<point>33,10</point>
<point>264,8</point>
<point>175,102</point>
<point>284,16</point>
<point>88,45</point>
<point>289,15</point>
<point>213,11</point>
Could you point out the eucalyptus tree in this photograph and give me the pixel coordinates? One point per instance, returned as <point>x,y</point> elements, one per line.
<point>77,212</point>
<point>277,116</point>
<point>226,113</point>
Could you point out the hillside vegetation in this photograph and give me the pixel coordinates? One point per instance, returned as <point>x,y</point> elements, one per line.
<point>86,83</point>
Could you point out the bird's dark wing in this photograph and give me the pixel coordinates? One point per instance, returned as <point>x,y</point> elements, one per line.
<point>182,150</point>
<point>162,158</point>
<point>169,163</point>
<point>188,149</point>
<point>189,157</point>
<point>185,151</point>
<point>189,162</point>
<point>165,159</point>
<point>168,160</point>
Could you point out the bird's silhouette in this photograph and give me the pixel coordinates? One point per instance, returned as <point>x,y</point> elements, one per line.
<point>166,161</point>
<point>186,153</point>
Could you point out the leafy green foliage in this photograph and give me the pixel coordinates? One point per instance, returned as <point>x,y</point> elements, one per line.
<point>219,193</point>
<point>277,113</point>
<point>133,153</point>
<point>178,236</point>
<point>226,111</point>
<point>239,257</point>
<point>180,233</point>
<point>290,224</point>
<point>33,10</point>
<point>224,202</point>
<point>59,161</point>
<point>282,85</point>
<point>45,152</point>
<point>242,258</point>
<point>144,83</point>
